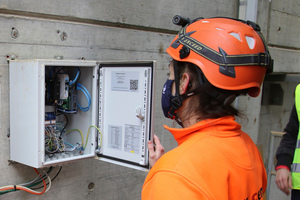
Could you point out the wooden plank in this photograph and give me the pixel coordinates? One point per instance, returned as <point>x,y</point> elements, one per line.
<point>150,13</point>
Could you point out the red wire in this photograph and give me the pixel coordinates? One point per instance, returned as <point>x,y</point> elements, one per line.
<point>44,182</point>
<point>26,190</point>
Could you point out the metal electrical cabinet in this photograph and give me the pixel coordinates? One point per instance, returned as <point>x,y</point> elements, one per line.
<point>61,111</point>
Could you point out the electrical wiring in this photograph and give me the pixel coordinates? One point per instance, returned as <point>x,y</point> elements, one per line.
<point>50,141</point>
<point>60,103</point>
<point>82,140</point>
<point>76,77</point>
<point>11,188</point>
<point>58,70</point>
<point>73,147</point>
<point>57,174</point>
<point>66,111</point>
<point>37,180</point>
<point>50,182</point>
<point>87,136</point>
<point>19,187</point>
<point>70,144</point>
<point>87,95</point>
<point>27,187</point>
<point>61,132</point>
<point>51,179</point>
<point>61,146</point>
<point>53,141</point>
<point>49,145</point>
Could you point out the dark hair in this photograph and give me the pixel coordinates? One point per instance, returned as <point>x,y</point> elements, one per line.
<point>207,106</point>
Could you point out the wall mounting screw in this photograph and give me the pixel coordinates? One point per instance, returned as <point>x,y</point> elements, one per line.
<point>91,186</point>
<point>278,29</point>
<point>14,33</point>
<point>63,36</point>
<point>57,57</point>
<point>10,57</point>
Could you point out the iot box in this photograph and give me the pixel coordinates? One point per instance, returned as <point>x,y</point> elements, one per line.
<point>64,110</point>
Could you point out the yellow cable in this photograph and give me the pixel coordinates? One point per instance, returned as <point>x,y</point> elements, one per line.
<point>87,136</point>
<point>79,132</point>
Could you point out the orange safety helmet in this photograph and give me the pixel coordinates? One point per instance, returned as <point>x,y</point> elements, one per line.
<point>231,53</point>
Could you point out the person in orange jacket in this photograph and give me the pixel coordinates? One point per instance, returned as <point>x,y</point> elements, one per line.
<point>214,61</point>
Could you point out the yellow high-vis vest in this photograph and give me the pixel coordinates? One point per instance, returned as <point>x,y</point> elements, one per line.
<point>296,161</point>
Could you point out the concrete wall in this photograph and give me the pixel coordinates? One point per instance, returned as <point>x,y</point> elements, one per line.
<point>91,30</point>
<point>131,30</point>
<point>283,24</point>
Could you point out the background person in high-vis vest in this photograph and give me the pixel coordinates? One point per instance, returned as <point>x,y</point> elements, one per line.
<point>288,155</point>
<point>214,60</point>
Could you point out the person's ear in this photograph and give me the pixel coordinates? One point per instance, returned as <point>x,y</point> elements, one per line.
<point>184,83</point>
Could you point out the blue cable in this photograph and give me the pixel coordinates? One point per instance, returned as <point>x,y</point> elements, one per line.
<point>78,84</point>
<point>69,144</point>
<point>77,75</point>
<point>66,111</point>
<point>83,108</point>
<point>87,95</point>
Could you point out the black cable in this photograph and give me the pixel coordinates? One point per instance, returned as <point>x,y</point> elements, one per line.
<point>45,177</point>
<point>59,69</point>
<point>67,121</point>
<point>56,174</point>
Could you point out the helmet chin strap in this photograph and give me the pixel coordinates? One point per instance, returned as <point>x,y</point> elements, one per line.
<point>177,100</point>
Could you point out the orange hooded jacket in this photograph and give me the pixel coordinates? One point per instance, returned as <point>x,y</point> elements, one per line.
<point>215,160</point>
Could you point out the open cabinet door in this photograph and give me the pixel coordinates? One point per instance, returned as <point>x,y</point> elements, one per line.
<point>125,112</point>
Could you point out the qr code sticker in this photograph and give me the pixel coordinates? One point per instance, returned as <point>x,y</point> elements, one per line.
<point>134,85</point>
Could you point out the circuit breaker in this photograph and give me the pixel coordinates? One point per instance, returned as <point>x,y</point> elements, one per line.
<point>61,111</point>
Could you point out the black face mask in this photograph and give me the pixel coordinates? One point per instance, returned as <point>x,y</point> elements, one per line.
<point>166,97</point>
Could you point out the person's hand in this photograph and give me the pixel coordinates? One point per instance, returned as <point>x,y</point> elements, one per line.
<point>284,180</point>
<point>156,150</point>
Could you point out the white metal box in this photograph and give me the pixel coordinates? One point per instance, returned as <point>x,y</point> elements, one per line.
<point>114,124</point>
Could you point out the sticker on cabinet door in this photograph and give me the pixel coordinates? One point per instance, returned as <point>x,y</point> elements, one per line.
<point>115,137</point>
<point>132,138</point>
<point>125,81</point>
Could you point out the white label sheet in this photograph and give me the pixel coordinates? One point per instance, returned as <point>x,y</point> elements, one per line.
<point>115,137</point>
<point>125,81</point>
<point>132,138</point>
